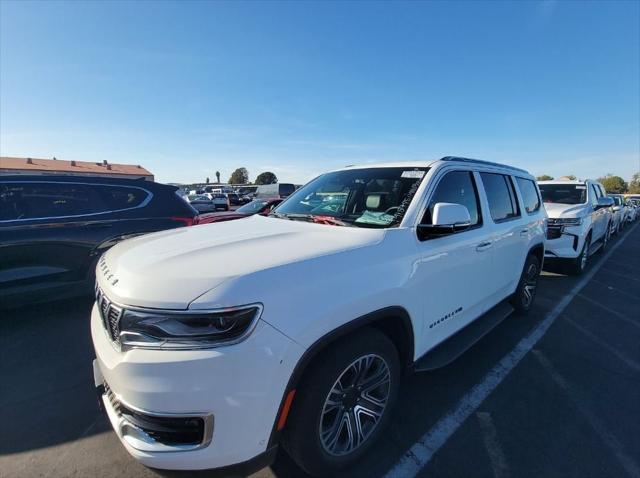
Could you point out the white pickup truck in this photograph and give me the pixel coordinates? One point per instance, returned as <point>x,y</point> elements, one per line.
<point>217,343</point>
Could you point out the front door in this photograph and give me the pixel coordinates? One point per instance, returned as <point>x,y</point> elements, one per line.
<point>452,271</point>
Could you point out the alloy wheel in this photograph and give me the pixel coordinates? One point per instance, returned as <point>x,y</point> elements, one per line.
<point>585,255</point>
<point>355,405</point>
<point>530,284</point>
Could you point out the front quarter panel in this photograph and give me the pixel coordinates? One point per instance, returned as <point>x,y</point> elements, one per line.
<point>308,299</point>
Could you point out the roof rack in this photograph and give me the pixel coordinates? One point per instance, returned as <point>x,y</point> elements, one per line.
<point>480,161</point>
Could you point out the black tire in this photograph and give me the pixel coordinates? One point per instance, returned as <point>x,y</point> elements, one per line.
<point>302,437</point>
<point>525,294</point>
<point>578,265</point>
<point>606,239</point>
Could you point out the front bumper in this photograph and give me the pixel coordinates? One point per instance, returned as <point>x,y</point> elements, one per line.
<point>235,391</point>
<point>564,242</point>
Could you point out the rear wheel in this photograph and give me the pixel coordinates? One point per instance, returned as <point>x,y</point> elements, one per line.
<point>522,299</point>
<point>343,403</point>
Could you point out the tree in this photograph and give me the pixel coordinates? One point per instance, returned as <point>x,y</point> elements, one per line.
<point>544,177</point>
<point>218,176</point>
<point>239,176</point>
<point>634,184</point>
<point>613,184</point>
<point>207,179</point>
<point>266,178</point>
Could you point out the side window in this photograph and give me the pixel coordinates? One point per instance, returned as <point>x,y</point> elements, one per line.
<point>596,193</point>
<point>501,196</point>
<point>117,197</point>
<point>43,200</point>
<point>603,193</point>
<point>457,187</point>
<point>529,194</point>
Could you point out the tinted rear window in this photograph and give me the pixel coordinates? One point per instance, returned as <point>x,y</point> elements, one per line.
<point>117,197</point>
<point>501,196</point>
<point>48,200</point>
<point>529,194</point>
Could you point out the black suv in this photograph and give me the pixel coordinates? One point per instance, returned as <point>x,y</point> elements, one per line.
<point>53,229</point>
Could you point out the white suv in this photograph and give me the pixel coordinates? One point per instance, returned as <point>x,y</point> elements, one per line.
<point>218,342</point>
<point>581,220</point>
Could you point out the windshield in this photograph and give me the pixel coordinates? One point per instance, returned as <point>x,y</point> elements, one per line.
<point>372,197</point>
<point>253,207</point>
<point>564,193</point>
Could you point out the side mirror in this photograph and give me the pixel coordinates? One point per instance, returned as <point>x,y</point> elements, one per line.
<point>447,218</point>
<point>604,202</point>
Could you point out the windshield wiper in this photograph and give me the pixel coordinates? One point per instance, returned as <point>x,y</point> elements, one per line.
<point>310,218</point>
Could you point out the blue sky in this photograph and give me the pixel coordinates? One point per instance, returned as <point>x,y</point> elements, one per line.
<point>188,88</point>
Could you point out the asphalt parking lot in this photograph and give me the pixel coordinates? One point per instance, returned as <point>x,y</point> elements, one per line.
<point>554,394</point>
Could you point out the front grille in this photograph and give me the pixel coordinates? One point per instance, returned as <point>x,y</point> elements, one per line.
<point>110,315</point>
<point>168,430</point>
<point>554,232</point>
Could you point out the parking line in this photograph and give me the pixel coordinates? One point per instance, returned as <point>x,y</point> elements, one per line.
<point>624,276</point>
<point>423,450</point>
<point>619,291</point>
<point>610,310</point>
<point>491,443</point>
<point>627,462</point>
<point>631,363</point>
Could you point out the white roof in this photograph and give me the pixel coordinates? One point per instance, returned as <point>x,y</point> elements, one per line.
<point>565,181</point>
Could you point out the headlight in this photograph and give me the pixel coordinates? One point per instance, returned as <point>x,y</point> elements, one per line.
<point>186,330</point>
<point>567,221</point>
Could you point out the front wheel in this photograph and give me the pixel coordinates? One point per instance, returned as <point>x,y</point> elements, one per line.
<point>606,238</point>
<point>579,264</point>
<point>522,299</point>
<point>343,403</point>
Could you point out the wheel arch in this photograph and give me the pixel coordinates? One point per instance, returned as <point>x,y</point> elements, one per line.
<point>538,251</point>
<point>394,322</point>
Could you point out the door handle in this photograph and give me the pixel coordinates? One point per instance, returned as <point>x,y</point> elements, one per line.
<point>524,232</point>
<point>483,246</point>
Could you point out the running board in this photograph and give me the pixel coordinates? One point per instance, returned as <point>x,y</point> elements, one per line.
<point>453,347</point>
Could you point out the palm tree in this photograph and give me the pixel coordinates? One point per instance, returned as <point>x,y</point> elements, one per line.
<point>218,176</point>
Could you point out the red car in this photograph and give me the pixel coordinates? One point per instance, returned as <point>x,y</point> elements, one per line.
<point>257,206</point>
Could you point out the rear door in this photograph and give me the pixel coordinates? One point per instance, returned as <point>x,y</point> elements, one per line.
<point>47,232</point>
<point>508,234</point>
<point>52,232</point>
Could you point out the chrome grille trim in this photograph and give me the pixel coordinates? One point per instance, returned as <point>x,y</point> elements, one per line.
<point>110,315</point>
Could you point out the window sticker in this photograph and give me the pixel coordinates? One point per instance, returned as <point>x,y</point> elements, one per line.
<point>581,187</point>
<point>413,174</point>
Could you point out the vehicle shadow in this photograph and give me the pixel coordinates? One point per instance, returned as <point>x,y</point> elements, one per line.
<point>48,396</point>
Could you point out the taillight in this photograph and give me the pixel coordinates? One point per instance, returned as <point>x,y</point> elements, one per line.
<point>187,221</point>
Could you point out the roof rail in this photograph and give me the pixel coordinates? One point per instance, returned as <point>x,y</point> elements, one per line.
<point>480,161</point>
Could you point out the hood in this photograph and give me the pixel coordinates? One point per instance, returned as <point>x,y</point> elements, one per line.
<point>556,210</point>
<point>170,269</point>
